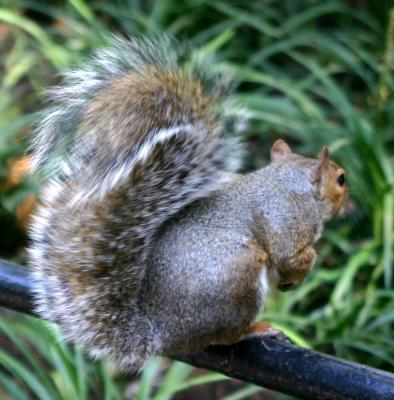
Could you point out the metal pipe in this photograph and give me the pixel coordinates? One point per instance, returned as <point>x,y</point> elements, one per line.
<point>266,362</point>
<point>16,287</point>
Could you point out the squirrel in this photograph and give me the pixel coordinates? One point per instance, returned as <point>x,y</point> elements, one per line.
<point>147,240</point>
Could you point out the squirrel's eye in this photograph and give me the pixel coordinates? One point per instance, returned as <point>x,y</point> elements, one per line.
<point>341,180</point>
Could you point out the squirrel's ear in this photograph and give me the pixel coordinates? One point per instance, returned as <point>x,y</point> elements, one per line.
<point>323,160</point>
<point>280,149</point>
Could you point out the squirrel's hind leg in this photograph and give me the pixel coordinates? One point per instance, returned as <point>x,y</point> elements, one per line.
<point>252,266</point>
<point>257,328</point>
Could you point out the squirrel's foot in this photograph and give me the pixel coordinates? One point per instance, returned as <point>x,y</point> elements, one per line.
<point>258,328</point>
<point>263,328</point>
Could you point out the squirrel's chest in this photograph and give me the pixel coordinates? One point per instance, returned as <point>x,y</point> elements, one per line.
<point>264,283</point>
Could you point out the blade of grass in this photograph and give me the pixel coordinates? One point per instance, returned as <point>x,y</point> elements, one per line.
<point>243,393</point>
<point>12,332</point>
<point>176,374</point>
<point>19,370</point>
<point>388,237</point>
<point>52,51</point>
<point>147,379</point>
<point>200,380</point>
<point>84,10</point>
<point>9,386</point>
<point>81,374</point>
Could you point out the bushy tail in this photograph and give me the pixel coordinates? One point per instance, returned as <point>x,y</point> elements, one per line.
<point>135,136</point>
<point>59,136</point>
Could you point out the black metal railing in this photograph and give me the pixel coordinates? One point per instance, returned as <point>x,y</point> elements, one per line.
<point>267,362</point>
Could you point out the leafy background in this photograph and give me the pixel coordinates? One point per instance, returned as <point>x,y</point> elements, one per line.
<point>315,73</point>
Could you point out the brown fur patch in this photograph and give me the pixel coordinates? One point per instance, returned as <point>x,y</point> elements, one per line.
<point>259,327</point>
<point>244,295</point>
<point>151,99</point>
<point>331,190</point>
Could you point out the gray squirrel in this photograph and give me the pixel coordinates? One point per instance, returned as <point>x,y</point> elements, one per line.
<point>147,242</point>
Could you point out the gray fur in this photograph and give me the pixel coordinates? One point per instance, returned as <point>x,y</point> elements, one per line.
<point>189,287</point>
<point>156,248</point>
<point>95,211</point>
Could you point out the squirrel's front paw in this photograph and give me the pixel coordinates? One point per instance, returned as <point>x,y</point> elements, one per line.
<point>295,269</point>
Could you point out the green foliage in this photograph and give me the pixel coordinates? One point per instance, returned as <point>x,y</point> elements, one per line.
<point>46,368</point>
<point>314,73</point>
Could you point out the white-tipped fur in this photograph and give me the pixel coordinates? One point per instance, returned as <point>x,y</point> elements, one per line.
<point>83,173</point>
<point>117,175</point>
<point>56,135</point>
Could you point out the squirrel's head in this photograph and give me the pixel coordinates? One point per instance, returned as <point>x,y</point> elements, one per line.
<point>314,180</point>
<point>327,176</point>
<point>331,181</point>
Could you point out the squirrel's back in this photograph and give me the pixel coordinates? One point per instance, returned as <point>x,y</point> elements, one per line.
<point>132,138</point>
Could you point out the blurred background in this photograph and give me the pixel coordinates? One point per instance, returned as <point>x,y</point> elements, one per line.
<point>314,73</point>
